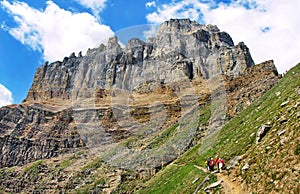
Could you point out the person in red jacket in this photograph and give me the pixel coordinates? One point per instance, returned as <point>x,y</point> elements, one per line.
<point>217,162</point>
<point>211,164</point>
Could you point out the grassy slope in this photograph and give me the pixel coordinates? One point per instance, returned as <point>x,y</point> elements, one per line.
<point>238,137</point>
<point>180,176</point>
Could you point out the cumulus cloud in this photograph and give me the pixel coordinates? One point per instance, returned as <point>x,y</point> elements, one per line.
<point>269,28</point>
<point>5,96</point>
<point>181,9</point>
<point>54,31</point>
<point>151,4</point>
<point>95,5</point>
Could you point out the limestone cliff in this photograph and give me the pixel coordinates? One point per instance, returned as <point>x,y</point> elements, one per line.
<point>112,94</point>
<point>182,49</point>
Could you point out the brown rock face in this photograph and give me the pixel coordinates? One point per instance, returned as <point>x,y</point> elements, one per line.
<point>112,94</point>
<point>29,133</point>
<point>245,89</point>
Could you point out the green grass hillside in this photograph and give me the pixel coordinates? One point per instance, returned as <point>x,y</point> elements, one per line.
<point>273,162</point>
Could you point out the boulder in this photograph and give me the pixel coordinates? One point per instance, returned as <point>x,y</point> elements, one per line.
<point>281,132</point>
<point>284,103</point>
<point>234,161</point>
<point>283,119</point>
<point>213,185</point>
<point>263,129</point>
<point>246,167</point>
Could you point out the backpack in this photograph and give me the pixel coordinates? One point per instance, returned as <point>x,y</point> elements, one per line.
<point>211,163</point>
<point>208,162</point>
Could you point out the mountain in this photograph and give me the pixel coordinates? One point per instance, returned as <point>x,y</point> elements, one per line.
<point>113,118</point>
<point>256,162</point>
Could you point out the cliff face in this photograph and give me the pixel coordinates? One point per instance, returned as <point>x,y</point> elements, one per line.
<point>114,94</point>
<point>182,49</point>
<point>29,133</point>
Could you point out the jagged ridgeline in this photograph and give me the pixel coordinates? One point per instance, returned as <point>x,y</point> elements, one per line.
<point>138,107</point>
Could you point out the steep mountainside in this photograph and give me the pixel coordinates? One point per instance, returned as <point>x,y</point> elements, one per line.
<point>111,119</point>
<point>259,162</point>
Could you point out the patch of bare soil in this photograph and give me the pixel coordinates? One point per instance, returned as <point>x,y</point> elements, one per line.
<point>229,187</point>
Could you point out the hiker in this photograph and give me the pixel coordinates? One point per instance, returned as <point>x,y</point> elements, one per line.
<point>217,162</point>
<point>207,162</point>
<point>211,164</point>
<point>221,164</point>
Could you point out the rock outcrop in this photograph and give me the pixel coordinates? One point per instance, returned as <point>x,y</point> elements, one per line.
<point>182,49</point>
<point>29,133</point>
<point>112,94</point>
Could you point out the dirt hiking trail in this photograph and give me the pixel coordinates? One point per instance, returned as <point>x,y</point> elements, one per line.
<point>228,187</point>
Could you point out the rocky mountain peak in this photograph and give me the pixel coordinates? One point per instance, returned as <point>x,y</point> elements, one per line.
<point>201,32</point>
<point>113,93</point>
<point>113,43</point>
<point>185,26</point>
<point>178,25</point>
<point>181,49</point>
<point>135,42</point>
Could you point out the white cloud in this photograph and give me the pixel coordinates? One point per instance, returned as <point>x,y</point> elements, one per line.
<point>151,4</point>
<point>5,96</point>
<point>182,9</point>
<point>55,31</point>
<point>269,28</point>
<point>95,5</point>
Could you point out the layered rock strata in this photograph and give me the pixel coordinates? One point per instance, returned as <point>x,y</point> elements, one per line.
<point>114,93</point>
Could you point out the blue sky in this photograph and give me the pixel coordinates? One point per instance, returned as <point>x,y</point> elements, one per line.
<point>33,32</point>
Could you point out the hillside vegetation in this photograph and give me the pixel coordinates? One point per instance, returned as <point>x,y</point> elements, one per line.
<point>273,162</point>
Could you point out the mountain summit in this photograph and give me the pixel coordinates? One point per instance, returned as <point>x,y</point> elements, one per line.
<point>181,49</point>
<point>131,109</point>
